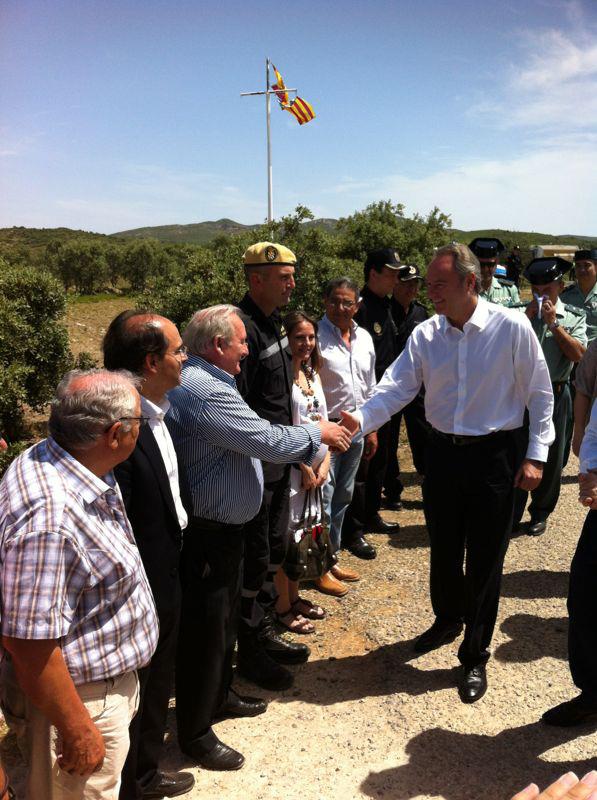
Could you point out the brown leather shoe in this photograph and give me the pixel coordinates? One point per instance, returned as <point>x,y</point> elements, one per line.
<point>327,584</point>
<point>344,574</point>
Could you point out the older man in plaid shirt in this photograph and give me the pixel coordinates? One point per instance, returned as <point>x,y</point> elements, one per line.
<point>78,616</point>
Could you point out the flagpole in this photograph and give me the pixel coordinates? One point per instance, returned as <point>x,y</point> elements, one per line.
<point>270,200</point>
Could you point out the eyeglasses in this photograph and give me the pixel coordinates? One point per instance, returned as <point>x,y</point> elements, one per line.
<point>181,351</point>
<point>345,304</point>
<point>141,420</point>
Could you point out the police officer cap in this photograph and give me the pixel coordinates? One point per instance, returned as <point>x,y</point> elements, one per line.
<point>546,270</point>
<point>267,254</point>
<point>409,272</point>
<point>385,257</point>
<point>484,247</point>
<point>586,255</point>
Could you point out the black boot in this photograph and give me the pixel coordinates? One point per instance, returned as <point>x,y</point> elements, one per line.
<point>278,648</point>
<point>254,664</point>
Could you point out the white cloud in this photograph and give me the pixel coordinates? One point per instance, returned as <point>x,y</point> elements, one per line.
<point>550,189</point>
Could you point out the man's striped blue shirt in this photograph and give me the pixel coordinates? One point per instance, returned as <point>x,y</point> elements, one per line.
<point>220,441</point>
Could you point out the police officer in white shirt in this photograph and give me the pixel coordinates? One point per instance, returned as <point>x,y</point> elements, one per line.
<point>482,366</point>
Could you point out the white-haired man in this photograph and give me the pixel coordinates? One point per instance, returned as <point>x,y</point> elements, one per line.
<point>220,442</point>
<point>481,365</point>
<point>78,617</point>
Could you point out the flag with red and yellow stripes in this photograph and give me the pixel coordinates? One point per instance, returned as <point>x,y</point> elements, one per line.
<point>299,108</point>
<point>302,110</point>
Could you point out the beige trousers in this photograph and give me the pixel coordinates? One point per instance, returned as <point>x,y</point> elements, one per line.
<point>111,704</point>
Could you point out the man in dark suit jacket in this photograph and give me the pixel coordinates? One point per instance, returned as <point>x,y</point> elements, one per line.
<point>157,504</point>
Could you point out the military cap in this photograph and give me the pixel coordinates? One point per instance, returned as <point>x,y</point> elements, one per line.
<point>546,270</point>
<point>586,255</point>
<point>266,254</point>
<point>409,272</point>
<point>485,247</point>
<point>385,257</point>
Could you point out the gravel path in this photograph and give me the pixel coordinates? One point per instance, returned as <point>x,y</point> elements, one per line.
<point>367,718</point>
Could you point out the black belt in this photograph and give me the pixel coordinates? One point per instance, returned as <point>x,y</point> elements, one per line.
<point>213,525</point>
<point>461,441</point>
<point>558,386</point>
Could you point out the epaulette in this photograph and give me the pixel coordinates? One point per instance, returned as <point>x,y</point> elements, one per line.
<point>580,312</point>
<point>504,281</point>
<point>518,305</point>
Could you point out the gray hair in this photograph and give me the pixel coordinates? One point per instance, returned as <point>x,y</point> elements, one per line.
<point>340,283</point>
<point>465,261</point>
<point>208,323</point>
<point>87,402</point>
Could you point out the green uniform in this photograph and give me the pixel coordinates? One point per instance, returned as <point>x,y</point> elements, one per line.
<point>502,292</point>
<point>545,497</point>
<point>573,296</point>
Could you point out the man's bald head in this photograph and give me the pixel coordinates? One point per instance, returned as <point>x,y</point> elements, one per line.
<point>131,336</point>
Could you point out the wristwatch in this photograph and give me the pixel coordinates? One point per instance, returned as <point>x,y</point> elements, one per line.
<point>554,325</point>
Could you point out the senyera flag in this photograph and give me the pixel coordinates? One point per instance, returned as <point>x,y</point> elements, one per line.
<point>299,108</point>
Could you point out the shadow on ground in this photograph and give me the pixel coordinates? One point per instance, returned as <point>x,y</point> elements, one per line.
<point>532,638</point>
<point>530,584</point>
<point>461,766</point>
<point>408,537</point>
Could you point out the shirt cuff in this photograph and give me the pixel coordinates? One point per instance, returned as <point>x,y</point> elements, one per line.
<point>314,433</point>
<point>537,451</point>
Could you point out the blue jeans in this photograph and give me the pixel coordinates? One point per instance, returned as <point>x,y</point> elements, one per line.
<point>337,492</point>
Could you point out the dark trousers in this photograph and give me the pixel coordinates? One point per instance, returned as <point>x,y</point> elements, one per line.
<point>545,497</point>
<point>468,495</point>
<point>582,610</point>
<point>417,429</point>
<point>211,569</point>
<point>147,729</point>
<point>366,496</point>
<point>266,541</point>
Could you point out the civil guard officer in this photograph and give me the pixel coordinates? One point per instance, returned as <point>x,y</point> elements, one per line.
<point>375,315</point>
<point>265,382</point>
<point>407,313</point>
<point>494,288</point>
<point>583,293</point>
<point>562,333</point>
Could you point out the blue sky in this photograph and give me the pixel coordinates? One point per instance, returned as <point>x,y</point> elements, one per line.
<point>120,114</point>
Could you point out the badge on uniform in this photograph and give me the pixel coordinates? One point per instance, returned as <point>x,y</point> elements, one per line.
<point>282,330</point>
<point>271,253</point>
<point>377,328</point>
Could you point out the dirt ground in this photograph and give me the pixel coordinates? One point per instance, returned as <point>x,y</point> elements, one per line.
<point>367,718</point>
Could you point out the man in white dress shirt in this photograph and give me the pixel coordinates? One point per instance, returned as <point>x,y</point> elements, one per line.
<point>482,366</point>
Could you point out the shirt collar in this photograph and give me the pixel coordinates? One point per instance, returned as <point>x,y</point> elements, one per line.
<point>197,361</point>
<point>478,318</point>
<point>88,485</point>
<point>375,298</point>
<point>154,410</point>
<point>327,323</point>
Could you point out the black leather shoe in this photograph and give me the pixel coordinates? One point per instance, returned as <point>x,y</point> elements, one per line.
<point>280,649</point>
<point>391,503</point>
<point>438,634</point>
<point>237,705</point>
<point>536,527</point>
<point>578,711</point>
<point>379,525</point>
<point>473,684</point>
<point>361,548</point>
<point>220,757</point>
<point>170,784</point>
<point>256,666</point>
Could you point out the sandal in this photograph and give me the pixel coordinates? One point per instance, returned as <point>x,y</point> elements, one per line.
<point>295,623</point>
<point>306,608</point>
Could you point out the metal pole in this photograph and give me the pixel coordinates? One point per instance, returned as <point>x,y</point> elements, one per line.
<point>270,201</point>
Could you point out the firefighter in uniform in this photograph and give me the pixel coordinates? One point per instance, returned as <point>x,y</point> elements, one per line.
<point>407,313</point>
<point>265,382</point>
<point>562,333</point>
<point>375,315</point>
<point>493,288</point>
